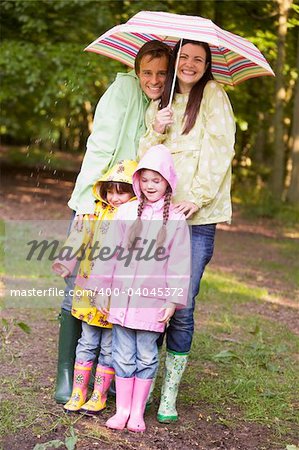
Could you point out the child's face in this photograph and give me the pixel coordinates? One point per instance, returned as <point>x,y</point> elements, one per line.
<point>152,185</point>
<point>116,199</point>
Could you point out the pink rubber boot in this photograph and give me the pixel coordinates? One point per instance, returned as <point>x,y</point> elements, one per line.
<point>140,395</point>
<point>124,391</point>
<point>82,373</point>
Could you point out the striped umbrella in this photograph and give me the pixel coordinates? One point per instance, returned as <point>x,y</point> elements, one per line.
<point>234,59</point>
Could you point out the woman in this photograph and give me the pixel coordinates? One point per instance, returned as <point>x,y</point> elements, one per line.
<point>199,130</point>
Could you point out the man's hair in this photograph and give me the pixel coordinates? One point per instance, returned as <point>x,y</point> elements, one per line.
<point>155,49</point>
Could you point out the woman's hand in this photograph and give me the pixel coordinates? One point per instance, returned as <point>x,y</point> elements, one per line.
<point>164,117</point>
<point>169,310</point>
<point>61,269</point>
<point>188,208</point>
<point>102,303</point>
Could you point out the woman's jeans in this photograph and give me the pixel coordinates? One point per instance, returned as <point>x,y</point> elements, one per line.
<point>134,352</point>
<point>179,334</point>
<point>93,338</point>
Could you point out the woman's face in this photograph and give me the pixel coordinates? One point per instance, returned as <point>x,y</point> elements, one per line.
<point>192,66</point>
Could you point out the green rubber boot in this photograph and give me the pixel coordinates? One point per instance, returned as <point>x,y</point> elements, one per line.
<point>175,364</point>
<point>70,332</point>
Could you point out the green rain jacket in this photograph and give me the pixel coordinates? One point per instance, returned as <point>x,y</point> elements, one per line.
<point>117,127</point>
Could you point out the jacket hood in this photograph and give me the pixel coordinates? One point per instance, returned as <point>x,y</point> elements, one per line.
<point>121,172</point>
<point>131,73</point>
<point>159,159</point>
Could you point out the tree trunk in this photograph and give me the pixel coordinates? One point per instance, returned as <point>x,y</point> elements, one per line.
<point>280,94</point>
<point>218,13</point>
<point>293,189</point>
<point>260,140</point>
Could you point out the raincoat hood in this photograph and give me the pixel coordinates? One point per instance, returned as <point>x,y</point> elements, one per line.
<point>159,159</point>
<point>121,172</point>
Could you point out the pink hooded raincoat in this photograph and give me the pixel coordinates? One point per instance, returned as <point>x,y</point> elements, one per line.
<point>143,281</point>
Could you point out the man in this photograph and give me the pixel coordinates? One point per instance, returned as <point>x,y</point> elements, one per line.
<point>117,128</point>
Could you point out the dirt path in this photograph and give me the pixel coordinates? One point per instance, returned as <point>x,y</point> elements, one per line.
<point>30,195</point>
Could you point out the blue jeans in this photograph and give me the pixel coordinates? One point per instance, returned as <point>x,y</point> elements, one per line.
<point>134,352</point>
<point>93,338</point>
<point>179,334</point>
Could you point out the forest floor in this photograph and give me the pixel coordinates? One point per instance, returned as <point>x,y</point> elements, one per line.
<point>261,254</point>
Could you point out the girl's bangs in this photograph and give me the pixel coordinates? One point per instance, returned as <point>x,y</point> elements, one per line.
<point>120,188</point>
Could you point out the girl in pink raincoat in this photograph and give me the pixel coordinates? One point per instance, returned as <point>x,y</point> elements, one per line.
<point>145,279</point>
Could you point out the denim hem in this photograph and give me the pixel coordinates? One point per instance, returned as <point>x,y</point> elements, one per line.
<point>177,353</point>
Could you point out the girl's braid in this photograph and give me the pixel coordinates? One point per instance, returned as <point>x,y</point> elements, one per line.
<point>136,227</point>
<point>167,200</point>
<point>140,206</point>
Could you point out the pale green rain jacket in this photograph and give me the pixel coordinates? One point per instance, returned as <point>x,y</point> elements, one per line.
<point>117,127</point>
<point>203,157</point>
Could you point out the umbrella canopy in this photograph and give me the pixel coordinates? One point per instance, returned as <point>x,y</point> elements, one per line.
<point>234,59</point>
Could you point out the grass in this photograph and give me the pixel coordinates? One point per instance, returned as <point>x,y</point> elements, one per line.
<point>19,409</point>
<point>242,361</point>
<point>217,286</point>
<point>24,273</point>
<point>243,367</point>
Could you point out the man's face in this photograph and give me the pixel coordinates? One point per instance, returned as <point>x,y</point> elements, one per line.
<point>152,75</point>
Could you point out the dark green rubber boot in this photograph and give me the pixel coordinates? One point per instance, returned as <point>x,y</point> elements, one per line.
<point>70,332</point>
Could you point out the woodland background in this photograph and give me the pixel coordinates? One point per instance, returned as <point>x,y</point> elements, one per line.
<point>239,390</point>
<point>50,87</point>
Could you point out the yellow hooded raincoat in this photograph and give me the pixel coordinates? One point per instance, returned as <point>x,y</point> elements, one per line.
<point>94,230</point>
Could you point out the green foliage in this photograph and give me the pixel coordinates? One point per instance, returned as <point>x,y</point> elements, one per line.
<point>69,443</point>
<point>52,90</point>
<point>50,87</point>
<point>258,201</point>
<point>36,157</point>
<point>7,327</point>
<point>226,356</point>
<point>48,81</point>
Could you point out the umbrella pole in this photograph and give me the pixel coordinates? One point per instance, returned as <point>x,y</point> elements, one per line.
<point>175,72</point>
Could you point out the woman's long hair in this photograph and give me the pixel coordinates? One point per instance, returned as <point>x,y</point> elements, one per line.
<point>196,93</point>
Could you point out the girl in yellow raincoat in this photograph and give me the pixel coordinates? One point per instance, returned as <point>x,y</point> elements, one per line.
<point>112,190</point>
